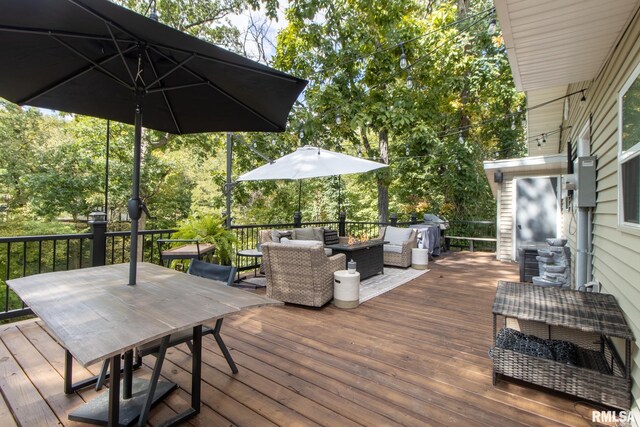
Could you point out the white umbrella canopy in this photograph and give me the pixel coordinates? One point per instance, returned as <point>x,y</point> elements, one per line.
<point>310,162</point>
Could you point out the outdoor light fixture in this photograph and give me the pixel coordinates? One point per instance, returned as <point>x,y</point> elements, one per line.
<point>492,24</point>
<point>403,59</point>
<point>338,119</point>
<point>406,149</point>
<point>409,82</point>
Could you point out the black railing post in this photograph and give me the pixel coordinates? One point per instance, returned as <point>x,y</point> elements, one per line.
<point>342,226</point>
<point>297,219</point>
<point>394,219</point>
<point>414,218</point>
<point>98,223</point>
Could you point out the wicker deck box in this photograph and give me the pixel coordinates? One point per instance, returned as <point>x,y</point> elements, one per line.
<point>588,320</point>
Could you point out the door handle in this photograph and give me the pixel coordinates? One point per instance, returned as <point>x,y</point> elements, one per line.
<point>519,227</point>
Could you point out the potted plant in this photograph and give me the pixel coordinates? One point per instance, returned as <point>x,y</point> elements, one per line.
<point>208,229</point>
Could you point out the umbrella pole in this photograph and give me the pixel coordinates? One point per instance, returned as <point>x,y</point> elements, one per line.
<point>134,206</point>
<point>299,193</point>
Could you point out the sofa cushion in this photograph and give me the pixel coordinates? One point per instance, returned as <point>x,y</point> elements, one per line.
<point>305,244</point>
<point>276,235</point>
<point>397,249</point>
<point>396,236</point>
<point>310,233</point>
<point>301,243</point>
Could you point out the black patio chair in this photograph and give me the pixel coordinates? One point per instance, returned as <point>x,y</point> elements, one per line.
<point>222,273</point>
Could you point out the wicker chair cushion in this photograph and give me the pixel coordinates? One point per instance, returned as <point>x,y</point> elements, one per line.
<point>396,249</point>
<point>276,235</point>
<point>533,348</point>
<point>507,337</point>
<point>558,350</point>
<point>396,236</point>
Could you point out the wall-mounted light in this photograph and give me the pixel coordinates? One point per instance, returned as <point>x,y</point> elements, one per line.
<point>498,177</point>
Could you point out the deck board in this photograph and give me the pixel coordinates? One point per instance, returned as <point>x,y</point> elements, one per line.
<point>415,356</point>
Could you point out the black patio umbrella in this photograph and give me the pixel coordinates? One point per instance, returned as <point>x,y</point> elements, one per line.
<point>95,58</point>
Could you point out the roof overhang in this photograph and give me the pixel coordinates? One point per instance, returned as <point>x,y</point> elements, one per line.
<point>541,165</point>
<point>553,44</point>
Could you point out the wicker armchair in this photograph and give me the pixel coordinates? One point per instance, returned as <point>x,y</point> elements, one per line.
<point>300,275</point>
<point>403,257</point>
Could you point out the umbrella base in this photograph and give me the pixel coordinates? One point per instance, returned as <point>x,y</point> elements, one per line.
<point>96,411</point>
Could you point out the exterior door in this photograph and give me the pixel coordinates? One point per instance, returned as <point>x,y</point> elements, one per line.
<point>536,210</point>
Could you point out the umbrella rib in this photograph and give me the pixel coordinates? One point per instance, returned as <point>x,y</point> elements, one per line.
<point>158,79</point>
<point>164,95</point>
<point>177,87</point>
<point>39,32</point>
<point>219,89</point>
<point>95,64</point>
<point>124,63</point>
<point>64,80</point>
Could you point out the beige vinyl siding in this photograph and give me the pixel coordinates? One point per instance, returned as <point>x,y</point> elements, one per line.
<point>505,231</point>
<point>616,251</point>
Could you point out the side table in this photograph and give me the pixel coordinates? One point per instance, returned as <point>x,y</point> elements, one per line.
<point>419,258</point>
<point>346,289</point>
<point>248,253</point>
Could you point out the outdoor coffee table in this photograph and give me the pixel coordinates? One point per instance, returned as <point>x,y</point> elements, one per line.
<point>369,256</point>
<point>95,315</point>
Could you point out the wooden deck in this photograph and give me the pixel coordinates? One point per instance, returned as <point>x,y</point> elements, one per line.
<point>414,356</point>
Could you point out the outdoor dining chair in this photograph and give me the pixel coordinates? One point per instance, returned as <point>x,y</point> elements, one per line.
<point>222,273</point>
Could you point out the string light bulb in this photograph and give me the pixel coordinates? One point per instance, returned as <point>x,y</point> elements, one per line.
<point>359,152</point>
<point>154,13</point>
<point>406,149</point>
<point>403,59</point>
<point>583,98</point>
<point>338,119</point>
<point>492,24</point>
<point>409,82</point>
<point>544,138</point>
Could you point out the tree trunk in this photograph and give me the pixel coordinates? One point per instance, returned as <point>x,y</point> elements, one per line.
<point>383,186</point>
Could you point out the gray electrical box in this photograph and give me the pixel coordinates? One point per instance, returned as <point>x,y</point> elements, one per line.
<point>586,177</point>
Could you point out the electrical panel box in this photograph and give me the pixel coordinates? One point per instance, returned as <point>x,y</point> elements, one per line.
<point>586,174</point>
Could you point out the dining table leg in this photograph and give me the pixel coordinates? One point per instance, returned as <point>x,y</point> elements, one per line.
<point>114,393</point>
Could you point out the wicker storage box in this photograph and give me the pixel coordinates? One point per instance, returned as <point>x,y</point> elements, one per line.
<point>585,319</point>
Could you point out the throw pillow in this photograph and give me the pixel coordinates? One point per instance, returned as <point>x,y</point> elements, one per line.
<point>331,237</point>
<point>276,235</point>
<point>303,234</point>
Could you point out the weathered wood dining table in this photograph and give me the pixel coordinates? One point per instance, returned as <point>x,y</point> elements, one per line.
<point>96,315</point>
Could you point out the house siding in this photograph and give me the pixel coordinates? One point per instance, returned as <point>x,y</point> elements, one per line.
<point>616,251</point>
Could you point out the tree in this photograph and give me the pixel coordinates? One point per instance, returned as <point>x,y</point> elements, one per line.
<point>437,132</point>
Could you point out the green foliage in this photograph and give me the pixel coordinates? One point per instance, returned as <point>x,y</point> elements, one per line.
<point>349,50</point>
<point>208,229</point>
